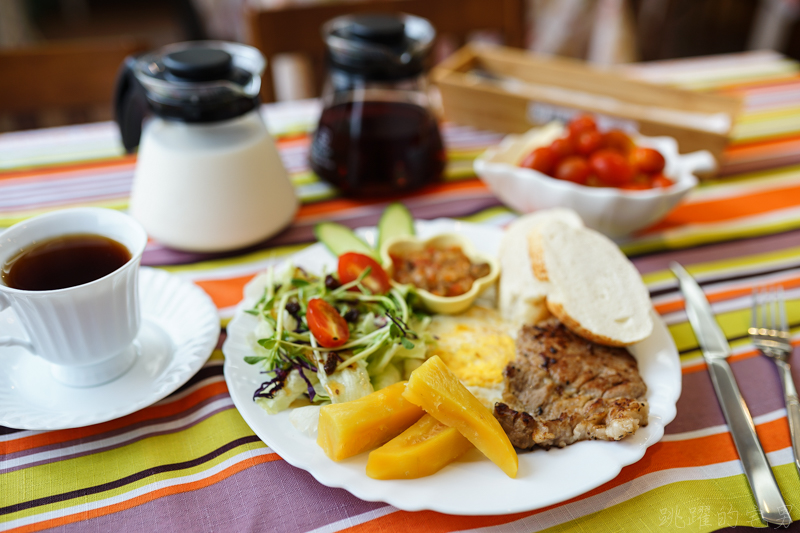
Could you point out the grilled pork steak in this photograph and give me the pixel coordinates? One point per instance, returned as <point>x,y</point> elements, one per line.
<point>563,388</point>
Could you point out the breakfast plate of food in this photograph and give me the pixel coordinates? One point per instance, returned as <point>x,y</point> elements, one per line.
<point>538,389</point>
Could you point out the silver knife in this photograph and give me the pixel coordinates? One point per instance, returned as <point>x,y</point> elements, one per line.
<point>716,351</point>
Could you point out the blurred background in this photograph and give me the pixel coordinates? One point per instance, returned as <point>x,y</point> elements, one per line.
<point>46,43</point>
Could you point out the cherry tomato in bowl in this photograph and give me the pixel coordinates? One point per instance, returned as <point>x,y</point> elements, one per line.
<point>573,168</point>
<point>581,124</point>
<point>611,167</point>
<point>542,159</point>
<point>352,264</point>
<point>618,140</point>
<point>646,160</point>
<point>589,142</point>
<point>326,324</point>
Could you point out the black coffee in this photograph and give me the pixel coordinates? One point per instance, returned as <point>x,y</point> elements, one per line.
<point>63,262</point>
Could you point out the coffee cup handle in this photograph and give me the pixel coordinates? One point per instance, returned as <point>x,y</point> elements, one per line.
<point>13,341</point>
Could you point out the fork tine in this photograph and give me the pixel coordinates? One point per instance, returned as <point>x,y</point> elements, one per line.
<point>782,304</point>
<point>754,312</point>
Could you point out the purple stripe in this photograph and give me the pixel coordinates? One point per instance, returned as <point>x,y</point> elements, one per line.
<point>789,157</point>
<point>718,252</point>
<point>447,207</point>
<point>271,496</point>
<point>757,378</point>
<point>132,440</point>
<point>80,494</point>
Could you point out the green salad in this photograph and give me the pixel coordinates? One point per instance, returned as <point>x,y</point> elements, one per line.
<point>337,336</point>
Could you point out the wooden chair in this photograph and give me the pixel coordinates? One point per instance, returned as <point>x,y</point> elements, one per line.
<point>296,28</point>
<point>60,83</point>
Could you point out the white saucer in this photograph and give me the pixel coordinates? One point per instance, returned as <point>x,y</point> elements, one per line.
<point>180,327</point>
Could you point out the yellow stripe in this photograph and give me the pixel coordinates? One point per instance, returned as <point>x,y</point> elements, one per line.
<point>115,464</point>
<point>699,236</point>
<point>732,323</point>
<point>255,257</point>
<point>681,506</point>
<point>719,267</point>
<point>19,216</point>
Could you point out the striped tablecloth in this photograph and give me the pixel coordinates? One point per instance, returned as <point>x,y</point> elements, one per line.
<point>190,463</point>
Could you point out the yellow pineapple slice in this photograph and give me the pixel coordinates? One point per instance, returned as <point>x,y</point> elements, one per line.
<point>349,428</point>
<point>421,450</point>
<point>437,390</point>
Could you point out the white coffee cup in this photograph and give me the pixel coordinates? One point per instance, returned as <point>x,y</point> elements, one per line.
<point>85,332</point>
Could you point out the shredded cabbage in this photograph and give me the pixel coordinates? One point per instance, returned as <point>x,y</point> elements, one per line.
<point>385,335</point>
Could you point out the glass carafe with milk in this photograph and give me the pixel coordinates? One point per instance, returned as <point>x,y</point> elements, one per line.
<point>208,175</point>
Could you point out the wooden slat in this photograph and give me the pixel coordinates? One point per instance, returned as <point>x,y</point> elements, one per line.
<point>514,80</point>
<point>61,76</point>
<point>296,28</point>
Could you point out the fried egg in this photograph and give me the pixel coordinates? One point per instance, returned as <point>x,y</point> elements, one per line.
<point>476,345</point>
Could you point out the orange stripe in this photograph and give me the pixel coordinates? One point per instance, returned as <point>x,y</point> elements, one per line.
<point>116,161</point>
<point>340,204</point>
<point>701,366</point>
<point>701,451</point>
<point>225,292</point>
<point>150,496</point>
<point>149,413</point>
<point>678,304</point>
<point>754,85</point>
<point>661,456</point>
<point>730,208</point>
<point>775,145</point>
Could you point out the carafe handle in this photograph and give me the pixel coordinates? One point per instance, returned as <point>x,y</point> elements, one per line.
<point>13,341</point>
<point>130,105</point>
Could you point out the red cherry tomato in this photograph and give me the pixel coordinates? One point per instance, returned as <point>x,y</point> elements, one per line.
<point>660,180</point>
<point>351,265</point>
<point>618,140</point>
<point>573,168</point>
<point>646,160</point>
<point>588,142</point>
<point>581,124</point>
<point>611,167</point>
<point>327,325</point>
<point>542,159</point>
<point>562,147</point>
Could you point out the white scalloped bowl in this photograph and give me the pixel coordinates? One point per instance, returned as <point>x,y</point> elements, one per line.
<point>614,212</point>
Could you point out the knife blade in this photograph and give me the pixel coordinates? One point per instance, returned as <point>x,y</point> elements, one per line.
<point>716,350</point>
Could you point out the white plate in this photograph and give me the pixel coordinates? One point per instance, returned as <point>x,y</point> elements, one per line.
<point>180,327</point>
<point>473,485</point>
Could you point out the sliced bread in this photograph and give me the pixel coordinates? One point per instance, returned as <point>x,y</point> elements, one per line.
<point>522,296</point>
<point>593,288</point>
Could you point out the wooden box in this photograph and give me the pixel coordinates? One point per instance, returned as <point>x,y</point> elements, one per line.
<point>511,90</point>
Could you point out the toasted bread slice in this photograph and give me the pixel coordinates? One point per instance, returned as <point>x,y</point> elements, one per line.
<point>522,296</point>
<point>593,288</point>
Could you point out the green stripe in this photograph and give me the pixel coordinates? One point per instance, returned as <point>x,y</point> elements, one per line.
<point>727,265</point>
<point>111,465</point>
<point>733,324</point>
<point>19,216</point>
<point>696,237</point>
<point>487,214</point>
<point>110,153</point>
<point>673,507</point>
<point>255,257</point>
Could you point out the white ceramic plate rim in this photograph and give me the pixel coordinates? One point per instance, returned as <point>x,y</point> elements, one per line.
<point>473,485</point>
<point>181,309</point>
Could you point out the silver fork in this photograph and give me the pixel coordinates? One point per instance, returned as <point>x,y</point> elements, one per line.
<point>772,339</point>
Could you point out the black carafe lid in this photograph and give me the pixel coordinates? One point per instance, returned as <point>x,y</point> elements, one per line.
<point>197,81</point>
<point>378,46</point>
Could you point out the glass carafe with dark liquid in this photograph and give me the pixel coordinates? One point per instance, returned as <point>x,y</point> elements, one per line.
<point>377,135</point>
